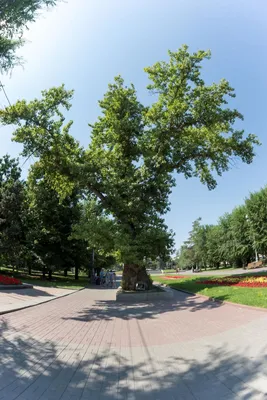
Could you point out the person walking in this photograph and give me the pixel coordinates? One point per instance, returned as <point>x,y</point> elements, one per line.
<point>108,279</point>
<point>114,280</point>
<point>102,277</point>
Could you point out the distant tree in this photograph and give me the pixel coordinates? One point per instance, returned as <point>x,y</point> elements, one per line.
<point>227,246</point>
<point>134,150</point>
<point>228,242</point>
<point>256,206</point>
<point>186,257</point>
<point>12,212</point>
<point>213,246</point>
<point>52,221</point>
<point>241,236</point>
<point>198,242</point>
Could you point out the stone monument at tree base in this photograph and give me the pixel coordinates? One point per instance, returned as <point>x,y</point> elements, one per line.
<point>133,275</point>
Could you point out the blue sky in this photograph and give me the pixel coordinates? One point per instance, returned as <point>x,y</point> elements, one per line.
<point>85,43</point>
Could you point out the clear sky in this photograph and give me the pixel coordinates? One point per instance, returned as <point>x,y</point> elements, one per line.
<point>85,43</point>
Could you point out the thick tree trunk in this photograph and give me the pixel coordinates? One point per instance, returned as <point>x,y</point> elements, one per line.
<point>133,274</point>
<point>43,272</point>
<point>29,269</point>
<point>76,277</point>
<point>65,272</point>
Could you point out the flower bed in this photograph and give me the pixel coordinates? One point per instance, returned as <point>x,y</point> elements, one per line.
<point>7,280</point>
<point>242,281</point>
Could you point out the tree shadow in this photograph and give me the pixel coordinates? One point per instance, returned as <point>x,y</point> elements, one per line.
<point>28,292</point>
<point>32,369</point>
<point>110,309</point>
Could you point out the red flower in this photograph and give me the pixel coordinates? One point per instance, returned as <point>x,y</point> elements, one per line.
<point>175,277</point>
<point>242,281</point>
<point>7,280</point>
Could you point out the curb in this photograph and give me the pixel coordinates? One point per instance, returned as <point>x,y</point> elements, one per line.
<point>10,287</point>
<point>42,302</point>
<point>222,302</point>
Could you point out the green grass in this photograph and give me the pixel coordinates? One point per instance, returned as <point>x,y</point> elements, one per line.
<point>58,281</point>
<point>249,296</point>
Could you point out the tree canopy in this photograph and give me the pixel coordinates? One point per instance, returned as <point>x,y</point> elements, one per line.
<point>15,16</point>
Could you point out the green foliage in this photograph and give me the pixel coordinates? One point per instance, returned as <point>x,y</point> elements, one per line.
<point>191,128</point>
<point>128,167</point>
<point>185,259</point>
<point>256,206</point>
<point>12,211</point>
<point>213,242</point>
<point>35,227</point>
<point>51,223</point>
<point>15,17</point>
<point>237,239</point>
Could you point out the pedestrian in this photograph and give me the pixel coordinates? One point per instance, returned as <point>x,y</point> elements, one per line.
<point>113,280</point>
<point>102,277</point>
<point>108,279</point>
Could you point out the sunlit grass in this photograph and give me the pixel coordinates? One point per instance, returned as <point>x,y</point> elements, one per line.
<point>248,296</point>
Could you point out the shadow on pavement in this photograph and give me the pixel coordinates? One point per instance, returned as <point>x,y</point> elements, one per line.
<point>27,292</point>
<point>32,369</point>
<point>110,309</point>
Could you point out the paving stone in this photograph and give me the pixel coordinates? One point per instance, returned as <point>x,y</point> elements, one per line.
<point>87,346</point>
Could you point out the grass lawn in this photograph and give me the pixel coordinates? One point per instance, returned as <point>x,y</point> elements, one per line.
<point>248,296</point>
<point>58,281</point>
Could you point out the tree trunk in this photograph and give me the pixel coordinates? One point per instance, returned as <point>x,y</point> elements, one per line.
<point>29,269</point>
<point>43,272</point>
<point>65,272</point>
<point>76,277</point>
<point>50,274</point>
<point>133,274</point>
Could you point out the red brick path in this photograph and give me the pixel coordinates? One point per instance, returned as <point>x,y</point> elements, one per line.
<point>88,346</point>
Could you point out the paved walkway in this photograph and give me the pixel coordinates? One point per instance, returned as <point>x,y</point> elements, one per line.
<point>87,346</point>
<point>15,299</point>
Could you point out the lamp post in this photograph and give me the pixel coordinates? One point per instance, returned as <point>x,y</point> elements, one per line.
<point>254,240</point>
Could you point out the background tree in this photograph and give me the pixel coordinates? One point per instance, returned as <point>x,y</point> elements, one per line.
<point>134,150</point>
<point>256,206</point>
<point>213,245</point>
<point>233,241</point>
<point>186,256</point>
<point>241,236</point>
<point>198,243</point>
<point>51,227</point>
<point>12,212</point>
<point>15,15</point>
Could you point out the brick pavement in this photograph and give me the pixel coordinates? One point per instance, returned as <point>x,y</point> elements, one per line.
<point>87,346</point>
<point>12,299</point>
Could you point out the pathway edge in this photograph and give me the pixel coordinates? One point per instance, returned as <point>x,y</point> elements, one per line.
<point>41,302</point>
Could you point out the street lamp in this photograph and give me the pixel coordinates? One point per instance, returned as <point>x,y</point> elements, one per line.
<point>254,240</point>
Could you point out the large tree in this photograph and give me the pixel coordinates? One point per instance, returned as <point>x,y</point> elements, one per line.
<point>15,15</point>
<point>135,149</point>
